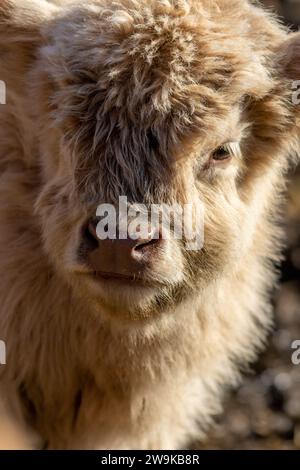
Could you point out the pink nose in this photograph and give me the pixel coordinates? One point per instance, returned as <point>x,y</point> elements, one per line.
<point>122,258</point>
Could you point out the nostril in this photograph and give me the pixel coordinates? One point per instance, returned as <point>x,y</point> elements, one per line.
<point>147,244</point>
<point>90,234</point>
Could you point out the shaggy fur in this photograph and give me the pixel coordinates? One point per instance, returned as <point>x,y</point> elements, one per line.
<point>132,97</point>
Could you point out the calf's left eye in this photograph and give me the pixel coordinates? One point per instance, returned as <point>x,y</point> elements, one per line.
<point>222,153</point>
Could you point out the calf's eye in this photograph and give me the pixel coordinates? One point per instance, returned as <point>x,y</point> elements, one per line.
<point>222,156</point>
<point>222,153</point>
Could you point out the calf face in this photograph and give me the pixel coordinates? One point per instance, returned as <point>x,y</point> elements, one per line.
<point>161,102</point>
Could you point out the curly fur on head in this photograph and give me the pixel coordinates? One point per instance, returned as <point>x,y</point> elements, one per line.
<point>133,98</point>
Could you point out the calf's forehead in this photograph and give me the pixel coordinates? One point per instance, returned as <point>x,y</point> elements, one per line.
<point>135,81</point>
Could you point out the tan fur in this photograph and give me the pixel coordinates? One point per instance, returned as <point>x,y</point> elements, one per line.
<point>130,98</point>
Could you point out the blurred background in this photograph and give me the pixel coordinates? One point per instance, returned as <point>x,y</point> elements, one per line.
<point>264,413</point>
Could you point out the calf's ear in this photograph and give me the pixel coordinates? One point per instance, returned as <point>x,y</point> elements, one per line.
<point>20,20</point>
<point>289,56</point>
<point>20,34</point>
<point>289,59</point>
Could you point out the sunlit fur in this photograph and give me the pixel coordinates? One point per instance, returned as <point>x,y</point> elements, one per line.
<point>132,97</point>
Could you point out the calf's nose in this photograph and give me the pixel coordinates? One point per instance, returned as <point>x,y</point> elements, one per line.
<point>122,257</point>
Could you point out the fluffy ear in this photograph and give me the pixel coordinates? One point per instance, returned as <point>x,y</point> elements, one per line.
<point>21,20</point>
<point>290,57</point>
<point>20,34</point>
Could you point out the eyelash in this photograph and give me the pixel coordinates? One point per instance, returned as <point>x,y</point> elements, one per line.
<point>226,152</point>
<point>222,153</point>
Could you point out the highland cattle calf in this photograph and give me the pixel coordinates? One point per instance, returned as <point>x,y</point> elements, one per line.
<point>130,342</point>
